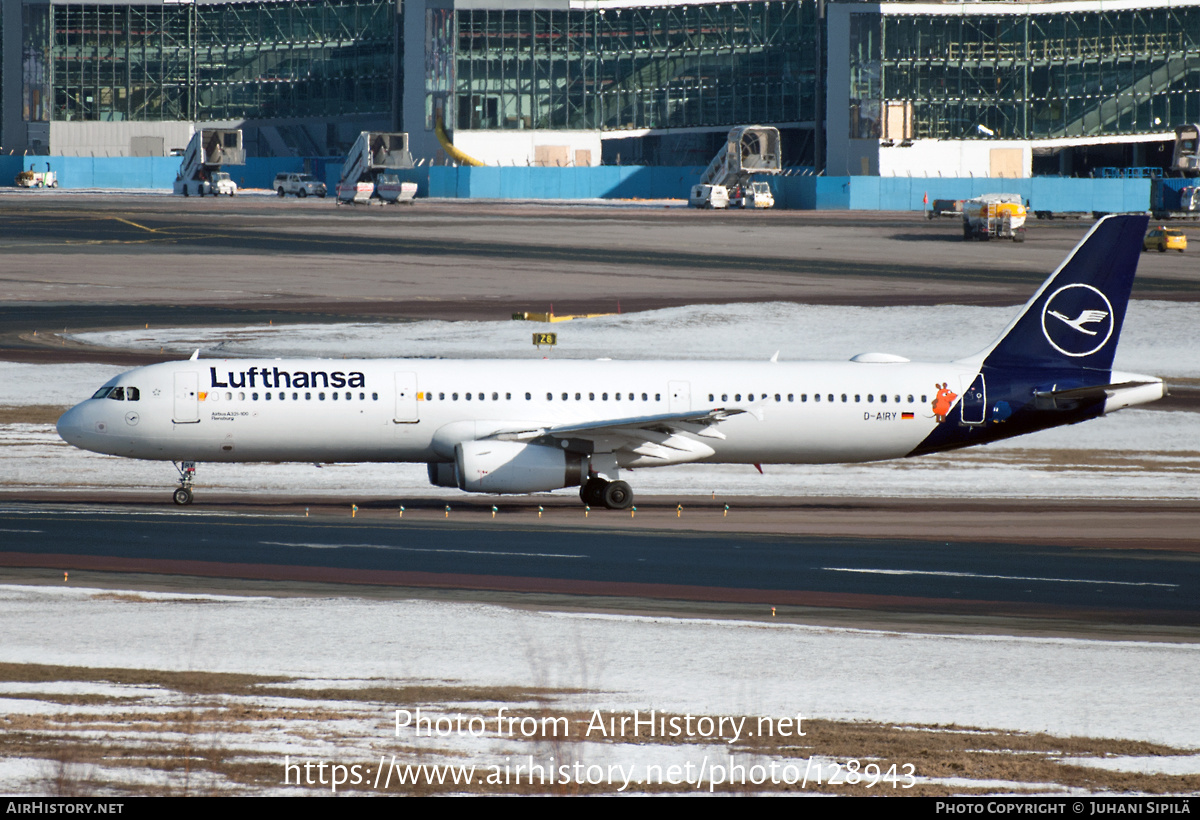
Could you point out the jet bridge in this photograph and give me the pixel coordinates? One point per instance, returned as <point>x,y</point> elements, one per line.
<point>369,166</point>
<point>200,171</point>
<point>749,151</point>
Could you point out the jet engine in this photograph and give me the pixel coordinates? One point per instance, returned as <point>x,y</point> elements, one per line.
<point>512,467</point>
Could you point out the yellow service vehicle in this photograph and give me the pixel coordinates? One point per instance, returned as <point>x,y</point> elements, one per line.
<point>994,215</point>
<point>1163,239</point>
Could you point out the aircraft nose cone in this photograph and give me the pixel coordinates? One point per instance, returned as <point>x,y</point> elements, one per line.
<point>70,426</point>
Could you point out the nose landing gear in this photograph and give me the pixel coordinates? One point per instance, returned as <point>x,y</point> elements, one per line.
<point>187,474</point>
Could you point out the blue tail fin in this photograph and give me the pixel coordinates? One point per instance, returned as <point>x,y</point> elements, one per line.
<point>1075,318</point>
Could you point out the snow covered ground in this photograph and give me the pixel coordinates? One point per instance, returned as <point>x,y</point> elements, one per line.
<point>605,664</point>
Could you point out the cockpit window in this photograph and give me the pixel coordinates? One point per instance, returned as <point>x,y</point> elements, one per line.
<point>132,394</point>
<point>102,392</point>
<point>117,394</point>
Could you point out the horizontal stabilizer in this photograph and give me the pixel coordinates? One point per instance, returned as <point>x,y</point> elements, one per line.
<point>1098,391</point>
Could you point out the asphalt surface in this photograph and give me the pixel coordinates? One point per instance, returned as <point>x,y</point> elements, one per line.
<point>995,577</point>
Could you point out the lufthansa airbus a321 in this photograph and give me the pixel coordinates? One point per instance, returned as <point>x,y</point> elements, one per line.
<point>531,426</point>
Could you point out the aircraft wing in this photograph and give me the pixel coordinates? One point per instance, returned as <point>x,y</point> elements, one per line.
<point>657,439</point>
<point>696,421</point>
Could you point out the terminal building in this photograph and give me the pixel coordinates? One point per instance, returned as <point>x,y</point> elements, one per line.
<point>856,89</point>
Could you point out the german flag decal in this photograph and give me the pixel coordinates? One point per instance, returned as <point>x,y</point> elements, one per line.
<point>906,416</point>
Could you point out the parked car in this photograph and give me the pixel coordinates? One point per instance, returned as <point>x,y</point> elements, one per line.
<point>301,185</point>
<point>1163,239</point>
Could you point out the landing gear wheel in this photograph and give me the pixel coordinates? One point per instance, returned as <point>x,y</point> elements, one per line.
<point>618,496</point>
<point>182,496</point>
<point>592,493</point>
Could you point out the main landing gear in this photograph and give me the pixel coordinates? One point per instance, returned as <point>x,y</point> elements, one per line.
<point>615,495</point>
<point>187,474</point>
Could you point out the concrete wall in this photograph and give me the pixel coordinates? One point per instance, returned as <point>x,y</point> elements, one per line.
<point>114,139</point>
<point>521,147</point>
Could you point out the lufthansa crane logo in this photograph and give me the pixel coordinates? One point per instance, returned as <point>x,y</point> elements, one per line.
<point>1077,320</point>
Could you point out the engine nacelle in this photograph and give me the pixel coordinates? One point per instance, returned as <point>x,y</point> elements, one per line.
<point>442,474</point>
<point>512,467</point>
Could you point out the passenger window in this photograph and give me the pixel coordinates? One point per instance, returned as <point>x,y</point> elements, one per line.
<point>307,396</point>
<point>374,397</point>
<point>467,396</point>
<point>897,399</point>
<point>591,396</point>
<point>603,397</point>
<point>924,399</point>
<point>910,398</point>
<point>549,397</point>
<point>508,396</point>
<point>802,398</point>
<point>883,398</point>
<point>566,396</point>
<point>738,397</point>
<point>454,396</point>
<point>871,397</point>
<point>645,397</point>
<point>857,398</point>
<point>843,398</point>
<point>349,395</point>
<point>481,397</point>
<point>334,396</point>
<point>321,396</point>
<point>495,397</point>
<point>578,396</point>
<point>363,396</point>
<point>132,394</point>
<point>816,397</point>
<point>267,396</point>
<point>528,397</point>
<point>658,396</point>
<point>710,397</point>
<point>631,397</point>
<point>282,395</point>
<point>241,396</point>
<point>724,397</point>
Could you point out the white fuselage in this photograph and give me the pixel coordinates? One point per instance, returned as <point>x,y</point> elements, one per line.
<point>325,410</point>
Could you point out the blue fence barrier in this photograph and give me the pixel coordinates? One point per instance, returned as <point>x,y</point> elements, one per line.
<point>793,191</point>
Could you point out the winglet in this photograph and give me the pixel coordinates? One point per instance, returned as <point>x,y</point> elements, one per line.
<point>775,358</point>
<point>195,356</point>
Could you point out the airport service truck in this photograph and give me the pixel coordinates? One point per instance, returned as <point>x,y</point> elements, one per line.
<point>735,175</point>
<point>998,216</point>
<point>369,170</point>
<point>200,171</point>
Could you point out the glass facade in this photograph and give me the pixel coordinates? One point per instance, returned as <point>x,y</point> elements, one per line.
<point>1029,76</point>
<point>659,67</point>
<point>209,62</point>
